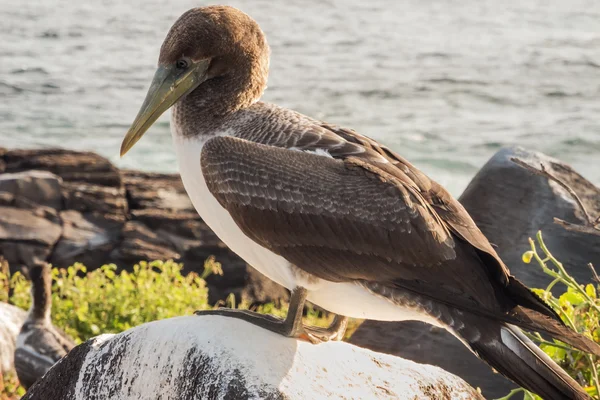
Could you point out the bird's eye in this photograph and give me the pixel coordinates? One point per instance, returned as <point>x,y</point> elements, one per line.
<point>181,64</point>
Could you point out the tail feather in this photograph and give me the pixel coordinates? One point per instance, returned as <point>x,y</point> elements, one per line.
<point>525,297</point>
<point>506,349</point>
<point>531,320</point>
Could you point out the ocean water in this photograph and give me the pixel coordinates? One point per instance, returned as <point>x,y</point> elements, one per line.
<point>446,83</point>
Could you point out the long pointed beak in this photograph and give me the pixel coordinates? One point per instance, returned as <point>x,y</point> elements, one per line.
<point>168,86</point>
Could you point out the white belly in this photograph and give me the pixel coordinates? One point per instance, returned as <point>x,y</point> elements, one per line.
<point>346,299</point>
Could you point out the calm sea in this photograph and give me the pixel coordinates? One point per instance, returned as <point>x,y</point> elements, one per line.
<point>445,83</point>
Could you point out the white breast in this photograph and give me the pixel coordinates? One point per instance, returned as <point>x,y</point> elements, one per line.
<point>346,299</point>
<point>218,219</point>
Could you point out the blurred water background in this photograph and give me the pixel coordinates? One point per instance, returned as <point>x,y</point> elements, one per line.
<point>446,83</point>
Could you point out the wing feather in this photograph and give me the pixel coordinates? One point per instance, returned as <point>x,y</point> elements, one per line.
<point>339,220</point>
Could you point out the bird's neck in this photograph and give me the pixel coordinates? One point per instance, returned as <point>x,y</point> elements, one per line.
<point>215,102</point>
<point>41,293</point>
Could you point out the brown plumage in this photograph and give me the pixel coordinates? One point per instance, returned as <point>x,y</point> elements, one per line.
<point>339,206</point>
<point>347,220</point>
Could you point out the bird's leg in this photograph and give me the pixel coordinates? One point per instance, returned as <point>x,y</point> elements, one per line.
<point>334,332</point>
<point>291,326</point>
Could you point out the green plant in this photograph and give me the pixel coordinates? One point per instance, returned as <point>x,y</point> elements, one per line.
<point>10,388</point>
<point>104,301</point>
<point>579,308</point>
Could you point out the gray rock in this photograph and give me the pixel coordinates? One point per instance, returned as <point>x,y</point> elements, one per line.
<point>105,201</point>
<point>86,238</point>
<point>71,166</point>
<point>210,357</point>
<point>27,236</point>
<point>29,226</point>
<point>182,233</point>
<point>259,290</point>
<point>423,343</point>
<point>39,187</point>
<point>147,190</point>
<point>509,204</point>
<point>11,320</point>
<point>138,242</point>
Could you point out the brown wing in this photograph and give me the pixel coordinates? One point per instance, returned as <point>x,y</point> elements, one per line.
<point>342,220</point>
<point>292,130</point>
<point>453,215</point>
<point>296,131</point>
<point>447,207</point>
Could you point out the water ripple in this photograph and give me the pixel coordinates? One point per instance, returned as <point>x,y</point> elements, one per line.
<point>443,83</point>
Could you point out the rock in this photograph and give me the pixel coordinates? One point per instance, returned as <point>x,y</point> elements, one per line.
<point>11,320</point>
<point>186,235</point>
<point>423,343</point>
<point>87,239</point>
<point>147,190</point>
<point>141,243</point>
<point>178,224</point>
<point>27,236</point>
<point>39,187</point>
<point>509,204</point>
<point>29,226</point>
<point>71,166</point>
<point>107,202</point>
<point>260,290</point>
<point>209,357</point>
<point>235,280</point>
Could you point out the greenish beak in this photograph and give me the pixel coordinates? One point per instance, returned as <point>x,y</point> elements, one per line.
<point>168,86</point>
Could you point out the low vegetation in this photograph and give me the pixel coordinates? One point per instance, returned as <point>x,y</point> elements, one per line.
<point>579,308</point>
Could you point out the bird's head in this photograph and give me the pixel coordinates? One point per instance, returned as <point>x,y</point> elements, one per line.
<point>218,55</point>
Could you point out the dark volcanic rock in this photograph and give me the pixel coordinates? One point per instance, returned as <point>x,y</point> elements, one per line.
<point>141,243</point>
<point>27,236</point>
<point>260,290</point>
<point>184,236</point>
<point>39,187</point>
<point>147,190</point>
<point>71,166</point>
<point>108,202</point>
<point>86,238</point>
<point>32,226</point>
<point>509,204</point>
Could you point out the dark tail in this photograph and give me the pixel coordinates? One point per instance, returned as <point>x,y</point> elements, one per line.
<point>506,349</point>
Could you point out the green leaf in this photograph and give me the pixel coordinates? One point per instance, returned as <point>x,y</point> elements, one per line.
<point>572,297</point>
<point>590,290</point>
<point>556,353</point>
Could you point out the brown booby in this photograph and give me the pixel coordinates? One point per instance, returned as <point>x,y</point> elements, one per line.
<point>333,215</point>
<point>39,344</point>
